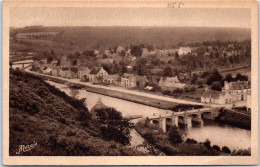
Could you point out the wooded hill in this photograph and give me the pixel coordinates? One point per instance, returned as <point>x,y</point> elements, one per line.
<point>160,37</point>
<point>61,125</point>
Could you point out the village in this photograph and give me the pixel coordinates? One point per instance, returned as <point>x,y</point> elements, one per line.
<point>190,72</point>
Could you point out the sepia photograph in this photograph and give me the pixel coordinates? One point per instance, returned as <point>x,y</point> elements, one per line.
<point>160,82</point>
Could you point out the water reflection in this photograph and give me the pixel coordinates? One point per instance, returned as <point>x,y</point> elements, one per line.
<point>219,134</point>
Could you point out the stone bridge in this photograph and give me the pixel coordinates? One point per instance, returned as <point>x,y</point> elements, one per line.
<point>174,118</point>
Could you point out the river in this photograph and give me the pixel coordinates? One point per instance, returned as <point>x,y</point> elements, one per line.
<point>218,134</point>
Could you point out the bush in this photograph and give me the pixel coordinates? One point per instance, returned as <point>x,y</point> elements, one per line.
<point>216,147</point>
<point>167,92</point>
<point>191,141</point>
<point>175,136</point>
<point>207,143</point>
<point>225,149</point>
<point>192,89</point>
<point>178,90</point>
<point>216,86</point>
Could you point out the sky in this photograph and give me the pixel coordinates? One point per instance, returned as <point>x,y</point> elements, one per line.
<point>179,17</point>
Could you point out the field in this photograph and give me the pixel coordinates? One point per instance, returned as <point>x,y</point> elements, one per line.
<point>160,37</point>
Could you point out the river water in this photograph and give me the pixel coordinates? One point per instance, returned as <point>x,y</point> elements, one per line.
<point>219,134</point>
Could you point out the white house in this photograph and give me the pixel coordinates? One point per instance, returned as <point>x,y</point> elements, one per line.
<point>184,50</point>
<point>46,70</point>
<point>96,73</point>
<point>216,97</point>
<point>170,83</point>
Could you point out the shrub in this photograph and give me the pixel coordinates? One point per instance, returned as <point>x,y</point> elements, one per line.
<point>225,149</point>
<point>175,136</point>
<point>216,86</point>
<point>178,90</point>
<point>167,92</point>
<point>191,141</point>
<point>216,147</point>
<point>192,89</point>
<point>207,143</point>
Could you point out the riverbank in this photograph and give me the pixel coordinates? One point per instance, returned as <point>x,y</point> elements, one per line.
<point>173,143</point>
<point>149,101</point>
<point>234,118</point>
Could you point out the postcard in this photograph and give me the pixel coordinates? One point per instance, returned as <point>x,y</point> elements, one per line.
<point>130,82</point>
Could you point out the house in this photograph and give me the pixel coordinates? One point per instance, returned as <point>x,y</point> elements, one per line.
<point>73,72</point>
<point>110,79</point>
<point>47,70</point>
<point>128,80</point>
<point>184,50</point>
<point>144,52</point>
<point>106,61</point>
<point>83,72</point>
<point>207,54</point>
<point>184,76</point>
<point>97,73</point>
<point>141,81</point>
<point>248,102</point>
<point>129,68</point>
<point>55,71</point>
<point>216,97</point>
<point>64,72</point>
<point>238,90</point>
<point>170,83</point>
<point>157,71</point>
<point>119,49</point>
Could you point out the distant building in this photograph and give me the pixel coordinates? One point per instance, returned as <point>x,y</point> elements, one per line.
<point>248,102</point>
<point>216,97</point>
<point>170,83</point>
<point>128,80</point>
<point>184,50</point>
<point>119,49</point>
<point>184,76</point>
<point>106,61</point>
<point>141,81</point>
<point>83,72</point>
<point>64,72</point>
<point>47,70</point>
<point>129,68</point>
<point>110,79</point>
<point>73,72</point>
<point>238,90</point>
<point>97,73</point>
<point>55,71</point>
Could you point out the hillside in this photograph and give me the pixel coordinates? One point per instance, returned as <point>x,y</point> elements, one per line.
<point>160,37</point>
<point>61,125</point>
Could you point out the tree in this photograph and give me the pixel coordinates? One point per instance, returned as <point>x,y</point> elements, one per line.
<point>168,72</point>
<point>241,77</point>
<point>58,62</point>
<point>113,126</point>
<point>194,79</point>
<point>228,77</point>
<point>136,51</point>
<point>150,48</point>
<point>216,86</point>
<point>214,77</point>
<point>175,136</point>
<point>74,92</point>
<point>11,64</point>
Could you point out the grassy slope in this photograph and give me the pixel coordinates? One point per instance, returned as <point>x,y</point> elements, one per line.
<point>39,112</point>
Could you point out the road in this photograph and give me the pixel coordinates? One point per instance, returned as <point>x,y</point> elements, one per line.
<point>122,89</point>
